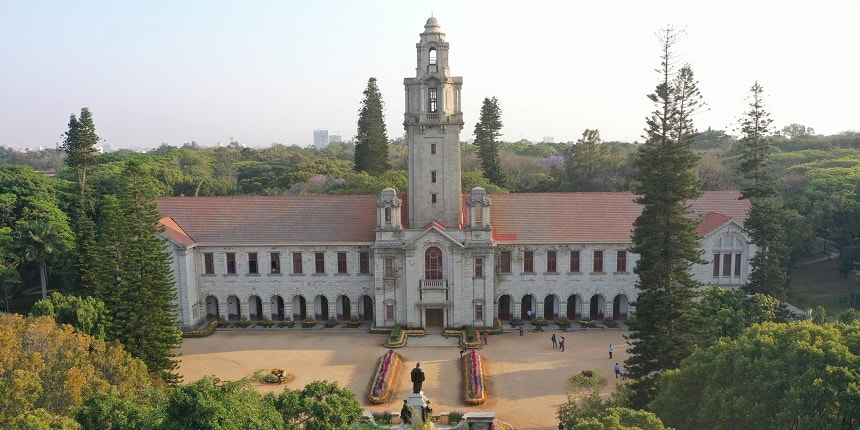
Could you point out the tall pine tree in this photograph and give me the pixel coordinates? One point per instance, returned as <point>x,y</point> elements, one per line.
<point>81,154</point>
<point>487,129</point>
<point>767,214</point>
<point>371,142</point>
<point>137,283</point>
<point>664,327</point>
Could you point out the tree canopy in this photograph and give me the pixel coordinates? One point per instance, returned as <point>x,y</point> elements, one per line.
<point>665,325</point>
<point>487,130</point>
<point>371,141</point>
<point>774,376</point>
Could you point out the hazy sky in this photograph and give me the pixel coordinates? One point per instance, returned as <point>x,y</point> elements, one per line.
<point>174,71</point>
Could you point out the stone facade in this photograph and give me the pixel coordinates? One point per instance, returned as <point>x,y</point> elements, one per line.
<point>432,258</point>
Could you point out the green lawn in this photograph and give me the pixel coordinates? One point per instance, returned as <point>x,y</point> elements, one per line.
<point>820,284</point>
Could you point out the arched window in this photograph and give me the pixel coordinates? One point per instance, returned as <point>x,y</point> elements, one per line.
<point>432,56</point>
<point>433,263</point>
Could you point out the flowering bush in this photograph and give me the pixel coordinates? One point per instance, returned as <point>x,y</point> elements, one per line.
<point>276,376</point>
<point>206,329</point>
<point>473,373</point>
<point>382,384</point>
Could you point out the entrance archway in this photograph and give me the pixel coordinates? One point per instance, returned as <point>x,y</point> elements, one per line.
<point>255,307</point>
<point>434,318</point>
<point>550,307</point>
<point>505,311</point>
<point>321,308</point>
<point>620,307</point>
<point>211,307</point>
<point>574,307</point>
<point>527,304</point>
<point>598,303</point>
<point>365,308</point>
<point>276,304</point>
<point>300,308</point>
<point>343,308</point>
<point>233,308</point>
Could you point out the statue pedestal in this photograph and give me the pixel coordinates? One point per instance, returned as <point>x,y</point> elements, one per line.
<point>416,402</point>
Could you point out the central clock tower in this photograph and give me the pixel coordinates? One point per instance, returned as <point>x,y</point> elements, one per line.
<point>433,121</point>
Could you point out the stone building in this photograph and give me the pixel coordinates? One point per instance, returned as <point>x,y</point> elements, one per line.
<point>432,257</point>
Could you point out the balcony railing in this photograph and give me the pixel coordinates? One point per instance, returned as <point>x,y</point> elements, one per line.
<point>433,289</point>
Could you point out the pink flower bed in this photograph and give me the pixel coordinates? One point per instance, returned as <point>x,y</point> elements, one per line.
<point>382,385</point>
<point>473,372</point>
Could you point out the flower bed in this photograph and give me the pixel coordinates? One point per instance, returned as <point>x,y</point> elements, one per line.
<point>276,376</point>
<point>206,329</point>
<point>382,385</point>
<point>473,373</point>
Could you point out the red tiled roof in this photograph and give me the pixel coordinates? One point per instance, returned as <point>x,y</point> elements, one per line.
<point>174,232</point>
<point>534,218</point>
<point>711,221</point>
<point>257,220</point>
<point>543,218</point>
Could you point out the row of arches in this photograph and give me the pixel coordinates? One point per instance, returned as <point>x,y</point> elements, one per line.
<point>554,308</point>
<point>297,309</point>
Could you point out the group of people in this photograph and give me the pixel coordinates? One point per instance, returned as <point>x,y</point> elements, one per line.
<point>558,342</point>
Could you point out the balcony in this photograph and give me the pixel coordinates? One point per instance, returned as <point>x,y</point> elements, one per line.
<point>433,290</point>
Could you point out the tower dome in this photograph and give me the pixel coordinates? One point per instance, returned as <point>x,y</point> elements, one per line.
<point>432,26</point>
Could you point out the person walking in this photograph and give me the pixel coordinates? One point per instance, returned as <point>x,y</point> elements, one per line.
<point>624,373</point>
<point>610,352</point>
<point>486,337</point>
<point>617,369</point>
<point>522,327</point>
<point>561,344</point>
<point>554,341</point>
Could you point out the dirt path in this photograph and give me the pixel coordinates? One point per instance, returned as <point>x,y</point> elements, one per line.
<point>525,376</point>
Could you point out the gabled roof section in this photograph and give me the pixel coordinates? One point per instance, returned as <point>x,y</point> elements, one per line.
<point>439,229</point>
<point>267,220</point>
<point>547,218</point>
<point>435,224</point>
<point>174,233</point>
<point>711,222</point>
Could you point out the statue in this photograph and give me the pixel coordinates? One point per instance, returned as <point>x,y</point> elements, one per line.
<point>417,378</point>
<point>406,413</point>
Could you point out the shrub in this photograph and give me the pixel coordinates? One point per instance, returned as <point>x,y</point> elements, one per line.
<point>308,323</point>
<point>382,417</point>
<point>243,323</point>
<point>395,334</point>
<point>332,322</point>
<point>609,322</point>
<point>516,322</point>
<point>266,322</point>
<point>587,324</point>
<point>563,322</point>
<point>454,417</point>
<point>470,334</point>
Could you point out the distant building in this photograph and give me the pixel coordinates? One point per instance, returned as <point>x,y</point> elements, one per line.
<point>432,257</point>
<point>335,138</point>
<point>548,139</point>
<point>320,139</point>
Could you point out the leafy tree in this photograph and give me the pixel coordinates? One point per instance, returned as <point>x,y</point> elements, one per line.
<point>207,404</point>
<point>774,376</point>
<point>87,315</point>
<point>109,411</point>
<point>730,312</point>
<point>136,280</point>
<point>621,419</point>
<point>40,230</point>
<point>583,399</point>
<point>765,221</point>
<point>9,276</point>
<point>590,165</point>
<point>51,367</point>
<point>320,405</point>
<point>371,147</point>
<point>487,129</point>
<point>794,131</point>
<point>43,236</point>
<point>665,326</point>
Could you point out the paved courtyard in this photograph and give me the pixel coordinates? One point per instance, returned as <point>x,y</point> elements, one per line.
<point>525,376</point>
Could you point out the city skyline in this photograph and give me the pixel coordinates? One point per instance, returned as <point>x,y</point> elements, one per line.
<point>272,72</point>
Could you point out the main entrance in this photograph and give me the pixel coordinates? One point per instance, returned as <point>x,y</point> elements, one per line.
<point>434,318</point>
